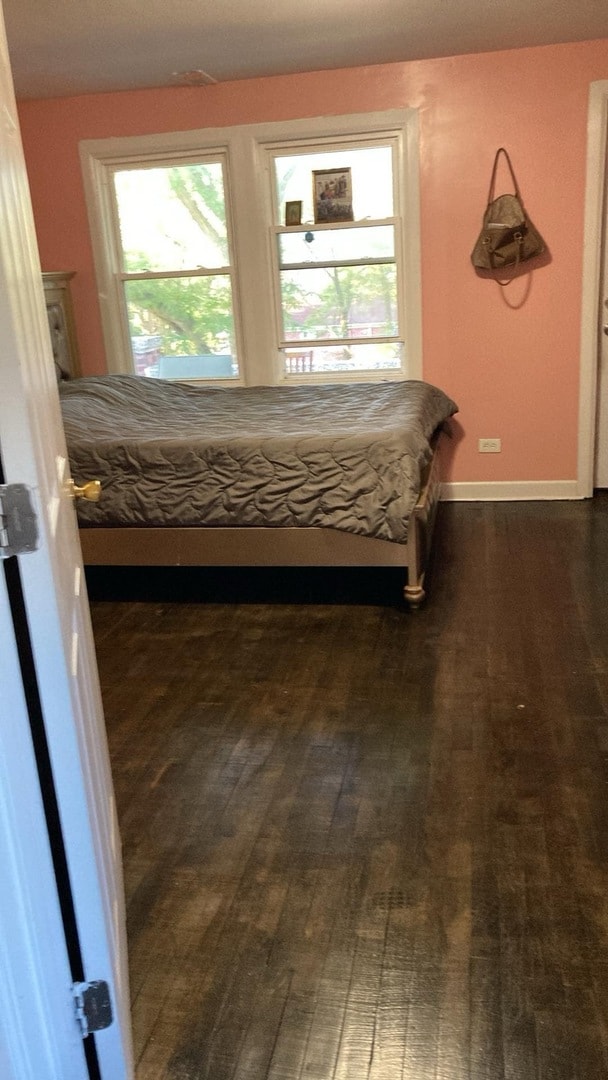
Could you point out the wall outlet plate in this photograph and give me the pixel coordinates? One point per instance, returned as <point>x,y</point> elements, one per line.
<point>489,446</point>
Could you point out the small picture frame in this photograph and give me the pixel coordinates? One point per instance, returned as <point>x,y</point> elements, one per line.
<point>332,195</point>
<point>293,212</point>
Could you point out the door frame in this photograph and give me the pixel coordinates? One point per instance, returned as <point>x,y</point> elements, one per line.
<point>595,205</point>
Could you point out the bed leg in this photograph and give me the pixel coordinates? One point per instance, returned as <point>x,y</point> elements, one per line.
<point>420,532</point>
<point>413,590</point>
<point>414,595</point>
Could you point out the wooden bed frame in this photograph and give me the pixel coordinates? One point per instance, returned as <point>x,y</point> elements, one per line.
<point>276,546</point>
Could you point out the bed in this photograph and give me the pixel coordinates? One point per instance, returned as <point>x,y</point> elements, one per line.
<point>333,475</point>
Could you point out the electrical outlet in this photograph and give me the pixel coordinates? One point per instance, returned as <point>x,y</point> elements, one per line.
<point>489,446</point>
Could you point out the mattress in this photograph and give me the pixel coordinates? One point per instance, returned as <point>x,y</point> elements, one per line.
<point>347,457</point>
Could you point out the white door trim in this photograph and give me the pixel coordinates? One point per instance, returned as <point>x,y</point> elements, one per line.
<point>597,127</point>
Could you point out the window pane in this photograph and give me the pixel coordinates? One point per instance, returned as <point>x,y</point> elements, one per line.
<point>325,245</point>
<point>339,302</point>
<point>172,218</point>
<point>324,360</point>
<point>372,180</point>
<point>182,327</point>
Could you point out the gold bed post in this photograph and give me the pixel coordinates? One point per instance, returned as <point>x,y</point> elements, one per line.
<point>420,530</point>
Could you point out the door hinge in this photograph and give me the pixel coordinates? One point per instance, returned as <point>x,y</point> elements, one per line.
<point>18,524</point>
<point>93,1006</point>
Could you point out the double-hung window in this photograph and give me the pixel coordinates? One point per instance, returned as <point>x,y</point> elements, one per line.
<point>339,283</point>
<point>260,254</point>
<point>168,263</point>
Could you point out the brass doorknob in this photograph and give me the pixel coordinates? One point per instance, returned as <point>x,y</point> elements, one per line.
<point>91,490</point>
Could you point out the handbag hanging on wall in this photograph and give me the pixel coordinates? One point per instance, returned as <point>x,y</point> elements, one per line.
<point>507,237</point>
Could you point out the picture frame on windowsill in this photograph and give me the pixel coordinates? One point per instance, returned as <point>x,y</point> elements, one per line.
<point>293,212</point>
<point>332,195</point>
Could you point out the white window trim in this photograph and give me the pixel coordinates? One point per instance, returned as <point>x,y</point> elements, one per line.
<point>247,147</point>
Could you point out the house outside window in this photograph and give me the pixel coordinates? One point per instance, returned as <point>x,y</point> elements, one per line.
<point>261,254</point>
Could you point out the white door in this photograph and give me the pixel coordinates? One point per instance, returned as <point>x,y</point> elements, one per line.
<point>33,453</point>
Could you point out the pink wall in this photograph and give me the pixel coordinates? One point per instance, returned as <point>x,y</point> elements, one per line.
<point>512,366</point>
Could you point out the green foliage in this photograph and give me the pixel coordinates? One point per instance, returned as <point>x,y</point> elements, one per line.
<point>193,315</point>
<point>200,189</point>
<point>329,311</point>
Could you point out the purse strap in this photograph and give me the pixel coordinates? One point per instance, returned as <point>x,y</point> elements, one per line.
<point>503,284</point>
<point>501,150</point>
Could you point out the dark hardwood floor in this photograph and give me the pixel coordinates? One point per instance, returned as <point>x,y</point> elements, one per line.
<point>362,843</point>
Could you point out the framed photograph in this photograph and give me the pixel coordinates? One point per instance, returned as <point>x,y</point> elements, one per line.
<point>332,195</point>
<point>293,213</point>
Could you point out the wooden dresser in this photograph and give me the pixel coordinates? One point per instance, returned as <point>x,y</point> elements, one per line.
<point>61,323</point>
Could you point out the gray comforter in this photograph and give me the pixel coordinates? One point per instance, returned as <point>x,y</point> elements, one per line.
<point>342,456</point>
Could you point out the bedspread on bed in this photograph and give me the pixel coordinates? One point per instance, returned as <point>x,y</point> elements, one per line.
<point>347,457</point>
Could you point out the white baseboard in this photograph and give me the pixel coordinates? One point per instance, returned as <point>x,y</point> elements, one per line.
<point>510,491</point>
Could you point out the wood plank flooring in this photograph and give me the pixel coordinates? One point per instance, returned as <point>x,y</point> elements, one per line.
<point>362,843</point>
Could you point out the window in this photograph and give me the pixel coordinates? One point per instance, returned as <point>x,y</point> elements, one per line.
<point>200,277</point>
<point>176,269</point>
<point>339,281</point>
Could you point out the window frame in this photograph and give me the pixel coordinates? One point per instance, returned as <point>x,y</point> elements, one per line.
<point>252,226</point>
<point>331,143</point>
